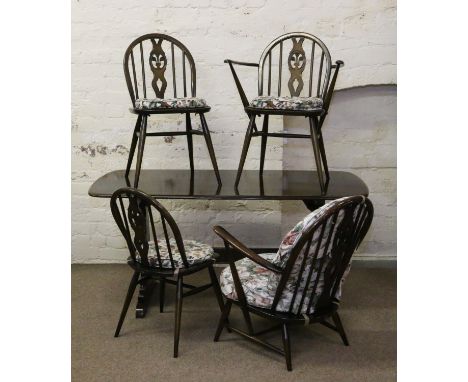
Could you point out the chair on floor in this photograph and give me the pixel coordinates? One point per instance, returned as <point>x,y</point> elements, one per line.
<point>161,64</point>
<point>167,259</point>
<point>309,89</point>
<point>301,284</point>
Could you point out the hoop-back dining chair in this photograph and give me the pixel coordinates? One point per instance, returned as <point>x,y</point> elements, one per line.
<point>167,259</point>
<point>160,64</point>
<point>301,284</point>
<point>308,70</point>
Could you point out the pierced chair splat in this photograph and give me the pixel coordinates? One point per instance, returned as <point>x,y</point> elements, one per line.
<point>308,93</point>
<point>160,64</point>
<point>300,284</point>
<point>167,259</point>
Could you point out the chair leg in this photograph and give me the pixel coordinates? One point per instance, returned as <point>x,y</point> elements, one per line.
<point>339,326</point>
<point>128,299</point>
<point>209,144</point>
<point>245,148</point>
<point>322,153</point>
<point>141,147</point>
<point>133,145</point>
<point>248,321</point>
<point>162,287</point>
<point>315,145</point>
<point>223,319</point>
<point>217,289</point>
<point>286,346</point>
<point>219,295</point>
<point>264,142</point>
<point>188,128</point>
<point>178,316</point>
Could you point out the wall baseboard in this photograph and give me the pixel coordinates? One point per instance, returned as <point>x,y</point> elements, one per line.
<point>361,260</point>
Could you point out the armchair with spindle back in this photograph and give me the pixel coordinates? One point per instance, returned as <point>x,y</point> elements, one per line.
<point>311,79</point>
<point>300,284</point>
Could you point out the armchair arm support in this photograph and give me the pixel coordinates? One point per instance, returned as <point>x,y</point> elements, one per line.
<point>228,238</point>
<point>329,94</point>
<point>229,61</point>
<point>337,64</point>
<point>242,95</point>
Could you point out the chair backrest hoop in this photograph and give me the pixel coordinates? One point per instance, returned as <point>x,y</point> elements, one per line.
<point>343,237</point>
<point>138,219</point>
<point>298,55</point>
<point>157,62</point>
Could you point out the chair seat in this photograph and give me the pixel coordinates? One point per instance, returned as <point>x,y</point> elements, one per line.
<point>195,251</point>
<point>287,103</point>
<point>258,282</point>
<point>169,103</point>
<point>260,286</point>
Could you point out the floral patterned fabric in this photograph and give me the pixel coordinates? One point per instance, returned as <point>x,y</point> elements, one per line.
<point>260,284</point>
<point>169,103</point>
<point>256,281</point>
<point>287,103</point>
<point>195,252</point>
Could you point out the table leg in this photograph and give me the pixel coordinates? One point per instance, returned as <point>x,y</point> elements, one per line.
<point>144,297</point>
<point>312,205</point>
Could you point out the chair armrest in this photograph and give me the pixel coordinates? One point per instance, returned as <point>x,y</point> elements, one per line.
<point>229,61</point>
<point>240,89</point>
<point>331,88</point>
<point>242,248</point>
<point>337,64</point>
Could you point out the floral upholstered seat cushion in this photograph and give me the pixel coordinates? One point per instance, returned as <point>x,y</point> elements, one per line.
<point>169,103</point>
<point>260,285</point>
<point>256,281</point>
<point>195,252</point>
<point>287,103</point>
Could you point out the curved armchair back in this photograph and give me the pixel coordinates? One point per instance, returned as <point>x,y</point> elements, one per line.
<point>316,255</point>
<point>300,59</point>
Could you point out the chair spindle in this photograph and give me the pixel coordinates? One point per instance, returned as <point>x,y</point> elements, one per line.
<point>320,74</point>
<point>322,259</point>
<point>173,70</point>
<point>134,75</point>
<point>312,54</point>
<point>155,237</point>
<point>301,271</point>
<point>143,69</point>
<point>280,67</point>
<point>169,251</point>
<point>184,74</point>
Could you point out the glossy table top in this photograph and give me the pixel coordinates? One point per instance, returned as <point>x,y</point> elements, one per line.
<point>202,184</point>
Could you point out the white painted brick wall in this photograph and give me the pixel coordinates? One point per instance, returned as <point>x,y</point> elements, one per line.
<point>360,137</point>
<point>361,33</point>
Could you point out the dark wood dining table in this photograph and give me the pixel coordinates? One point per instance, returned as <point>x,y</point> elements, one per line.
<point>202,185</point>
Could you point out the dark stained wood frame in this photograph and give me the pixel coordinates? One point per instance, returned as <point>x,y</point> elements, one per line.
<point>358,214</point>
<point>140,131</point>
<point>316,117</point>
<point>138,218</point>
<point>199,185</point>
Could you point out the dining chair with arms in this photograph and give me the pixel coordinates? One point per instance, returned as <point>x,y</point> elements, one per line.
<point>300,284</point>
<point>308,93</point>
